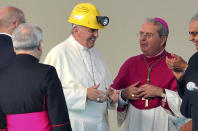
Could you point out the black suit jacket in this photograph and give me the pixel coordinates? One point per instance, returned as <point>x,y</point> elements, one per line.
<point>189,107</point>
<point>24,85</point>
<point>7,56</point>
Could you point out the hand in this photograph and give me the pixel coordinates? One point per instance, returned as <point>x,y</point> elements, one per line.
<point>94,94</point>
<point>113,94</point>
<point>131,92</point>
<point>178,75</point>
<point>176,63</point>
<point>150,91</point>
<point>187,126</point>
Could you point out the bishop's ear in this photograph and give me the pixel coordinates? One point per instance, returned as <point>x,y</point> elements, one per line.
<point>163,40</point>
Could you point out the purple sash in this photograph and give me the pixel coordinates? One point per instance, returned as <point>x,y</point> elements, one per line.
<point>36,121</point>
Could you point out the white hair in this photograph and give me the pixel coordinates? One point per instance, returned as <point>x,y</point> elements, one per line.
<point>195,17</point>
<point>27,36</point>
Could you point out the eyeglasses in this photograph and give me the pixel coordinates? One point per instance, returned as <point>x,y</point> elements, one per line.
<point>146,35</point>
<point>193,33</point>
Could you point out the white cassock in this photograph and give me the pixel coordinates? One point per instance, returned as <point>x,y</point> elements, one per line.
<point>78,68</point>
<point>155,119</point>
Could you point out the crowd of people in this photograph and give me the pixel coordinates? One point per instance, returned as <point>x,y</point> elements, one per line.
<point>73,89</point>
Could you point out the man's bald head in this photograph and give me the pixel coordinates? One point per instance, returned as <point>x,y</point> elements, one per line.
<point>10,18</point>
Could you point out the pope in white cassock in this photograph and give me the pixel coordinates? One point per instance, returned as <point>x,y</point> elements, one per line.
<point>82,71</point>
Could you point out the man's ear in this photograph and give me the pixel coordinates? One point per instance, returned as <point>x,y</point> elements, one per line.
<point>16,23</point>
<point>40,46</point>
<point>163,40</point>
<point>75,29</point>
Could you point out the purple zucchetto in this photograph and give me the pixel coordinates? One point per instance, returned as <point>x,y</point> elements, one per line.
<point>163,22</point>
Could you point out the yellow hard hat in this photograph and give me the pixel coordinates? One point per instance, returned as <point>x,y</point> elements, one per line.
<point>86,14</point>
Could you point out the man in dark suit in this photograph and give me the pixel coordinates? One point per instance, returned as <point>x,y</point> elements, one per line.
<point>187,75</point>
<point>31,94</point>
<point>10,18</point>
<point>7,56</point>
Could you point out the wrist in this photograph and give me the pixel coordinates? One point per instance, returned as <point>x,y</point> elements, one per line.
<point>121,102</point>
<point>185,67</point>
<point>163,93</point>
<point>122,92</point>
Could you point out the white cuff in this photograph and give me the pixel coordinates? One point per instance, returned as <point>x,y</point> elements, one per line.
<point>164,98</point>
<point>121,102</point>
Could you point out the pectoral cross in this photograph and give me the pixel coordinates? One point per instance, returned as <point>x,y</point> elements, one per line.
<point>149,72</point>
<point>146,102</point>
<point>148,76</point>
<point>148,80</point>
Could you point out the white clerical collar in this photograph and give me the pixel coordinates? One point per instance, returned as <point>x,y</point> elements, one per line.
<point>81,47</point>
<point>157,54</point>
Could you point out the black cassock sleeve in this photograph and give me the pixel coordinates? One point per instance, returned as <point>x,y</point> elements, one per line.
<point>3,124</point>
<point>181,87</point>
<point>55,102</point>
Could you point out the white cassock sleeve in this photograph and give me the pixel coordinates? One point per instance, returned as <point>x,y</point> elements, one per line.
<point>174,102</point>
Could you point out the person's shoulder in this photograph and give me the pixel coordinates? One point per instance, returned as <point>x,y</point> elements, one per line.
<point>45,68</point>
<point>58,50</point>
<point>194,56</point>
<point>168,54</point>
<point>193,61</point>
<point>133,60</point>
<point>60,46</point>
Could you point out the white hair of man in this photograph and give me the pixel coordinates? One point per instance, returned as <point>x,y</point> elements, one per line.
<point>27,37</point>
